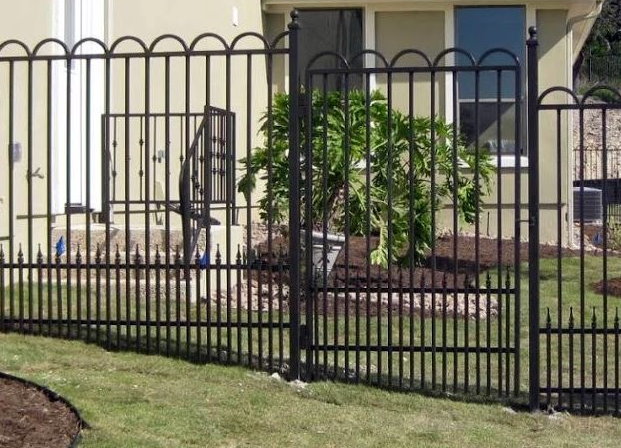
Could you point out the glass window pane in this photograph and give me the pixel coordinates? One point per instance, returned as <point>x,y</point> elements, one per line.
<point>479,29</point>
<point>336,30</point>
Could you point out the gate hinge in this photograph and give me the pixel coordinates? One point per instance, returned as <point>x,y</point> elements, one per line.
<point>304,336</point>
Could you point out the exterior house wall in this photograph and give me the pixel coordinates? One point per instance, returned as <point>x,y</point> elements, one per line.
<point>388,28</point>
<point>553,46</point>
<point>34,20</point>
<point>424,31</point>
<point>147,20</point>
<point>29,21</point>
<point>391,27</point>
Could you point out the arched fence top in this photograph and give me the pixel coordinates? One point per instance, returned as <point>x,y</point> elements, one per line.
<point>451,51</point>
<point>375,53</point>
<point>46,42</point>
<point>599,88</point>
<point>497,51</point>
<point>89,40</point>
<point>121,47</point>
<point>279,38</point>
<point>166,37</point>
<point>249,35</point>
<point>553,90</point>
<point>470,63</point>
<point>15,42</point>
<point>339,57</point>
<point>209,36</point>
<point>410,52</point>
<point>124,39</point>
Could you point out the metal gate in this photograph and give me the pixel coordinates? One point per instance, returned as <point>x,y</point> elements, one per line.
<point>574,317</point>
<point>411,231</point>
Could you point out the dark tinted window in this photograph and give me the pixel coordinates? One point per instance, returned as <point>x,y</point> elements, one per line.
<point>336,30</point>
<point>479,29</point>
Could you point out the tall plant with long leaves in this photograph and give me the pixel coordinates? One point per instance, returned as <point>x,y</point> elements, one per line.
<point>374,171</point>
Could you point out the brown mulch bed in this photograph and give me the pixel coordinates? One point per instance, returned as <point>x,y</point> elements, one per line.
<point>31,418</point>
<point>613,287</point>
<point>469,249</point>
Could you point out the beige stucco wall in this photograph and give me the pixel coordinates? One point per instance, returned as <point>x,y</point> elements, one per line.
<point>28,21</point>
<point>421,30</point>
<point>149,19</point>
<point>32,20</point>
<point>553,44</point>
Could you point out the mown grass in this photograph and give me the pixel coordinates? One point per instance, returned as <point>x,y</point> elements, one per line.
<point>478,371</point>
<point>135,400</point>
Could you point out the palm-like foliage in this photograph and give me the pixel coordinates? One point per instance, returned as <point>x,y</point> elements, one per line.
<point>372,171</point>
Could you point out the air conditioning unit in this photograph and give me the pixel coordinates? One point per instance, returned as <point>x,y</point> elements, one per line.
<point>591,201</point>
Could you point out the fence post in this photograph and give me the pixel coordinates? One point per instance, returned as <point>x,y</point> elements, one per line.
<point>294,199</point>
<point>533,219</point>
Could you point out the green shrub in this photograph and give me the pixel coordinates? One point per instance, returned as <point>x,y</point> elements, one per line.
<point>400,166</point>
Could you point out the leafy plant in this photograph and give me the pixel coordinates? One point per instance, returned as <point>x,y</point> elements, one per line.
<point>393,198</point>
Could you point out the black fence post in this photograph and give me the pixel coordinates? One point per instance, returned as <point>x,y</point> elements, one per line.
<point>294,198</point>
<point>533,219</point>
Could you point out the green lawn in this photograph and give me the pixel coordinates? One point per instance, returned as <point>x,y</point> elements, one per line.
<point>134,400</point>
<point>450,371</point>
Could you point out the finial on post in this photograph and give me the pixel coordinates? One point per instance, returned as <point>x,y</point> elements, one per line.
<point>532,32</point>
<point>294,24</point>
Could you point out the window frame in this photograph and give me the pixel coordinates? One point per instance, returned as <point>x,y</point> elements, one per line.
<point>506,159</point>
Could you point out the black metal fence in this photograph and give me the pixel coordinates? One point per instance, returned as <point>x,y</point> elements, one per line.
<point>123,224</point>
<point>601,69</point>
<point>365,234</point>
<point>575,346</point>
<point>401,305</point>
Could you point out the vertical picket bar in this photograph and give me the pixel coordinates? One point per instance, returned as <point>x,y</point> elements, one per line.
<point>533,211</point>
<point>294,200</point>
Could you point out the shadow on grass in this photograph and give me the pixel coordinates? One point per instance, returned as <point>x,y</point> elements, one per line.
<point>171,341</point>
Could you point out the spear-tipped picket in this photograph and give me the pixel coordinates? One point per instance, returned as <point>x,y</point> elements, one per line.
<point>20,286</point>
<point>78,261</point>
<point>39,289</point>
<point>158,298</point>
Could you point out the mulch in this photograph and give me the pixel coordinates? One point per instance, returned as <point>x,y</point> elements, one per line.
<point>613,287</point>
<point>31,418</point>
<point>457,261</point>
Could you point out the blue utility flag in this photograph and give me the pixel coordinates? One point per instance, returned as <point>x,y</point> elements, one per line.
<point>61,247</point>
<point>203,263</point>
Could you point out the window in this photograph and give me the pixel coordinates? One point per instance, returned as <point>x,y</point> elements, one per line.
<point>479,29</point>
<point>336,30</point>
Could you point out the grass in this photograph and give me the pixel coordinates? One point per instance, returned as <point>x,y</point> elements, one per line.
<point>134,400</point>
<point>450,371</point>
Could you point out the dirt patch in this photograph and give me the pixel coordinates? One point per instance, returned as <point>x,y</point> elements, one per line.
<point>613,287</point>
<point>31,418</point>
<point>456,260</point>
